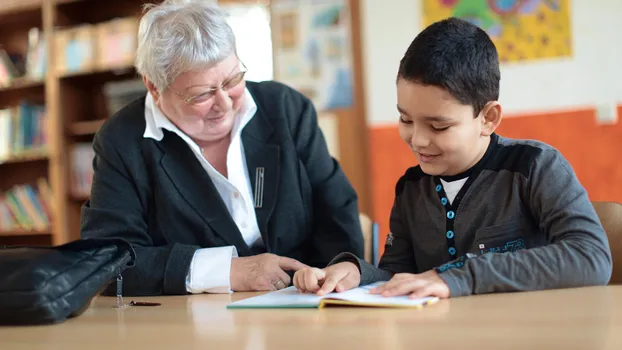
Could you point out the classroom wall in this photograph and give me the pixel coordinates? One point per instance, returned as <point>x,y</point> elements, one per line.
<point>552,100</point>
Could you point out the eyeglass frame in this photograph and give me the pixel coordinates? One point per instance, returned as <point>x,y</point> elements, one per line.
<point>212,91</point>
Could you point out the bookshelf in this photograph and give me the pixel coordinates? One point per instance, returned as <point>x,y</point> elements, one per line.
<point>75,98</point>
<point>64,99</point>
<point>24,155</point>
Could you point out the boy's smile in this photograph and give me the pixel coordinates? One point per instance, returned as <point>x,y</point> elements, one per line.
<point>425,158</point>
<point>443,133</point>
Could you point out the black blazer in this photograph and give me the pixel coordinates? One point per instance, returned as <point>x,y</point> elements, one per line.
<point>157,196</point>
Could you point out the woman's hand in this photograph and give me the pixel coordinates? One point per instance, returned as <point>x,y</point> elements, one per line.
<point>263,272</point>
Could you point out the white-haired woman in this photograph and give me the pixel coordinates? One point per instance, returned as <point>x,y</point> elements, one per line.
<point>218,183</point>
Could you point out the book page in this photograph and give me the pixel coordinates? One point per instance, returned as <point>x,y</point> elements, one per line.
<point>284,298</point>
<point>361,296</point>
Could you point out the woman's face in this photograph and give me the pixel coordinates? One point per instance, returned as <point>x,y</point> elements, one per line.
<point>203,103</point>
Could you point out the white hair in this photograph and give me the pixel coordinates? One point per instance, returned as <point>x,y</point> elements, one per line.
<point>181,35</point>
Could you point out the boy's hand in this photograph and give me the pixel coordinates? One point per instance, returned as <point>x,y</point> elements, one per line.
<point>339,277</point>
<point>415,286</point>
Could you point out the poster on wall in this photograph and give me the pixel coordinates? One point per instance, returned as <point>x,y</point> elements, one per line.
<point>522,30</point>
<point>313,52</point>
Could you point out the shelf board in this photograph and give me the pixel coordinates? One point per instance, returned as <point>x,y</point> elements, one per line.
<point>86,127</point>
<point>21,232</point>
<point>26,156</point>
<point>61,2</point>
<point>111,71</point>
<point>22,83</point>
<point>17,6</point>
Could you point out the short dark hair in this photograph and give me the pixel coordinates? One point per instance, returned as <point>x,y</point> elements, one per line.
<point>457,56</point>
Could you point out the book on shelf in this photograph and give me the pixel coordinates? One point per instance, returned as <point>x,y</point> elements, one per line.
<point>75,49</point>
<point>26,207</point>
<point>119,94</point>
<point>8,70</point>
<point>82,156</point>
<point>22,128</point>
<point>96,47</point>
<point>28,65</point>
<point>116,42</point>
<point>36,60</point>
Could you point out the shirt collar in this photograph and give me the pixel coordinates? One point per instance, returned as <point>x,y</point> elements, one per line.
<point>156,121</point>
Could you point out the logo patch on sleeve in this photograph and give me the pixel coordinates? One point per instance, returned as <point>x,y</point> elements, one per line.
<point>389,241</point>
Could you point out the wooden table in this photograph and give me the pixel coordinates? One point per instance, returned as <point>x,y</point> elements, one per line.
<point>586,318</point>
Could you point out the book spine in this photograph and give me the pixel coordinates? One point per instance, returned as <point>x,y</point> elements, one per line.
<point>29,209</point>
<point>46,195</point>
<point>18,212</point>
<point>7,221</point>
<point>38,205</point>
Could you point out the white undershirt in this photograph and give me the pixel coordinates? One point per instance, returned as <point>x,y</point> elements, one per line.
<point>210,267</point>
<point>452,188</point>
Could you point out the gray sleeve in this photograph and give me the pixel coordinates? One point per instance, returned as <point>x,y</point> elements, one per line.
<point>398,254</point>
<point>577,253</point>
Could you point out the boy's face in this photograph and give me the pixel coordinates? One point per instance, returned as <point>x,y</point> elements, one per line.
<point>441,131</point>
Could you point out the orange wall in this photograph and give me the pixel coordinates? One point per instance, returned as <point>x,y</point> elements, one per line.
<point>593,150</point>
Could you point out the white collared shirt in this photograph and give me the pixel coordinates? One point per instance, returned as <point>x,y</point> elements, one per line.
<point>210,267</point>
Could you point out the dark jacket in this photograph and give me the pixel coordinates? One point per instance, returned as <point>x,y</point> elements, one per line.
<point>157,196</point>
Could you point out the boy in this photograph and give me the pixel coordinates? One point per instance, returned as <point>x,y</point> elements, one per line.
<point>480,213</point>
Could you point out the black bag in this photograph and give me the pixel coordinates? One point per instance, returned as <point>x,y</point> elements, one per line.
<point>43,285</point>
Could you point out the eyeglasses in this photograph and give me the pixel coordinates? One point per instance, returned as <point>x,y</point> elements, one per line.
<point>231,82</point>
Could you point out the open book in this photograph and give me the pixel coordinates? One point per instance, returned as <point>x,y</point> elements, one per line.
<point>291,298</point>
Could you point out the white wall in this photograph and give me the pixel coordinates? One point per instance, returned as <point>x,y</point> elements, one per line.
<point>592,76</point>
<point>251,25</point>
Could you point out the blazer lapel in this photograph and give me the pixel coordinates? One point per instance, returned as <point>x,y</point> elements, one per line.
<point>262,159</point>
<point>196,187</point>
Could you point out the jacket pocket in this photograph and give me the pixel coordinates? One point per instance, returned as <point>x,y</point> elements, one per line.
<point>503,238</point>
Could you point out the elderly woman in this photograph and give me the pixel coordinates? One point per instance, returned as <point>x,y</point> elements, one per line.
<point>219,184</point>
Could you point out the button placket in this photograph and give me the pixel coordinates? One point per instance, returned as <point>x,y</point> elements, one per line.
<point>450,215</point>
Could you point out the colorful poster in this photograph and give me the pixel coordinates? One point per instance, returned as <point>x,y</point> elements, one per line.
<point>522,30</point>
<point>313,52</point>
